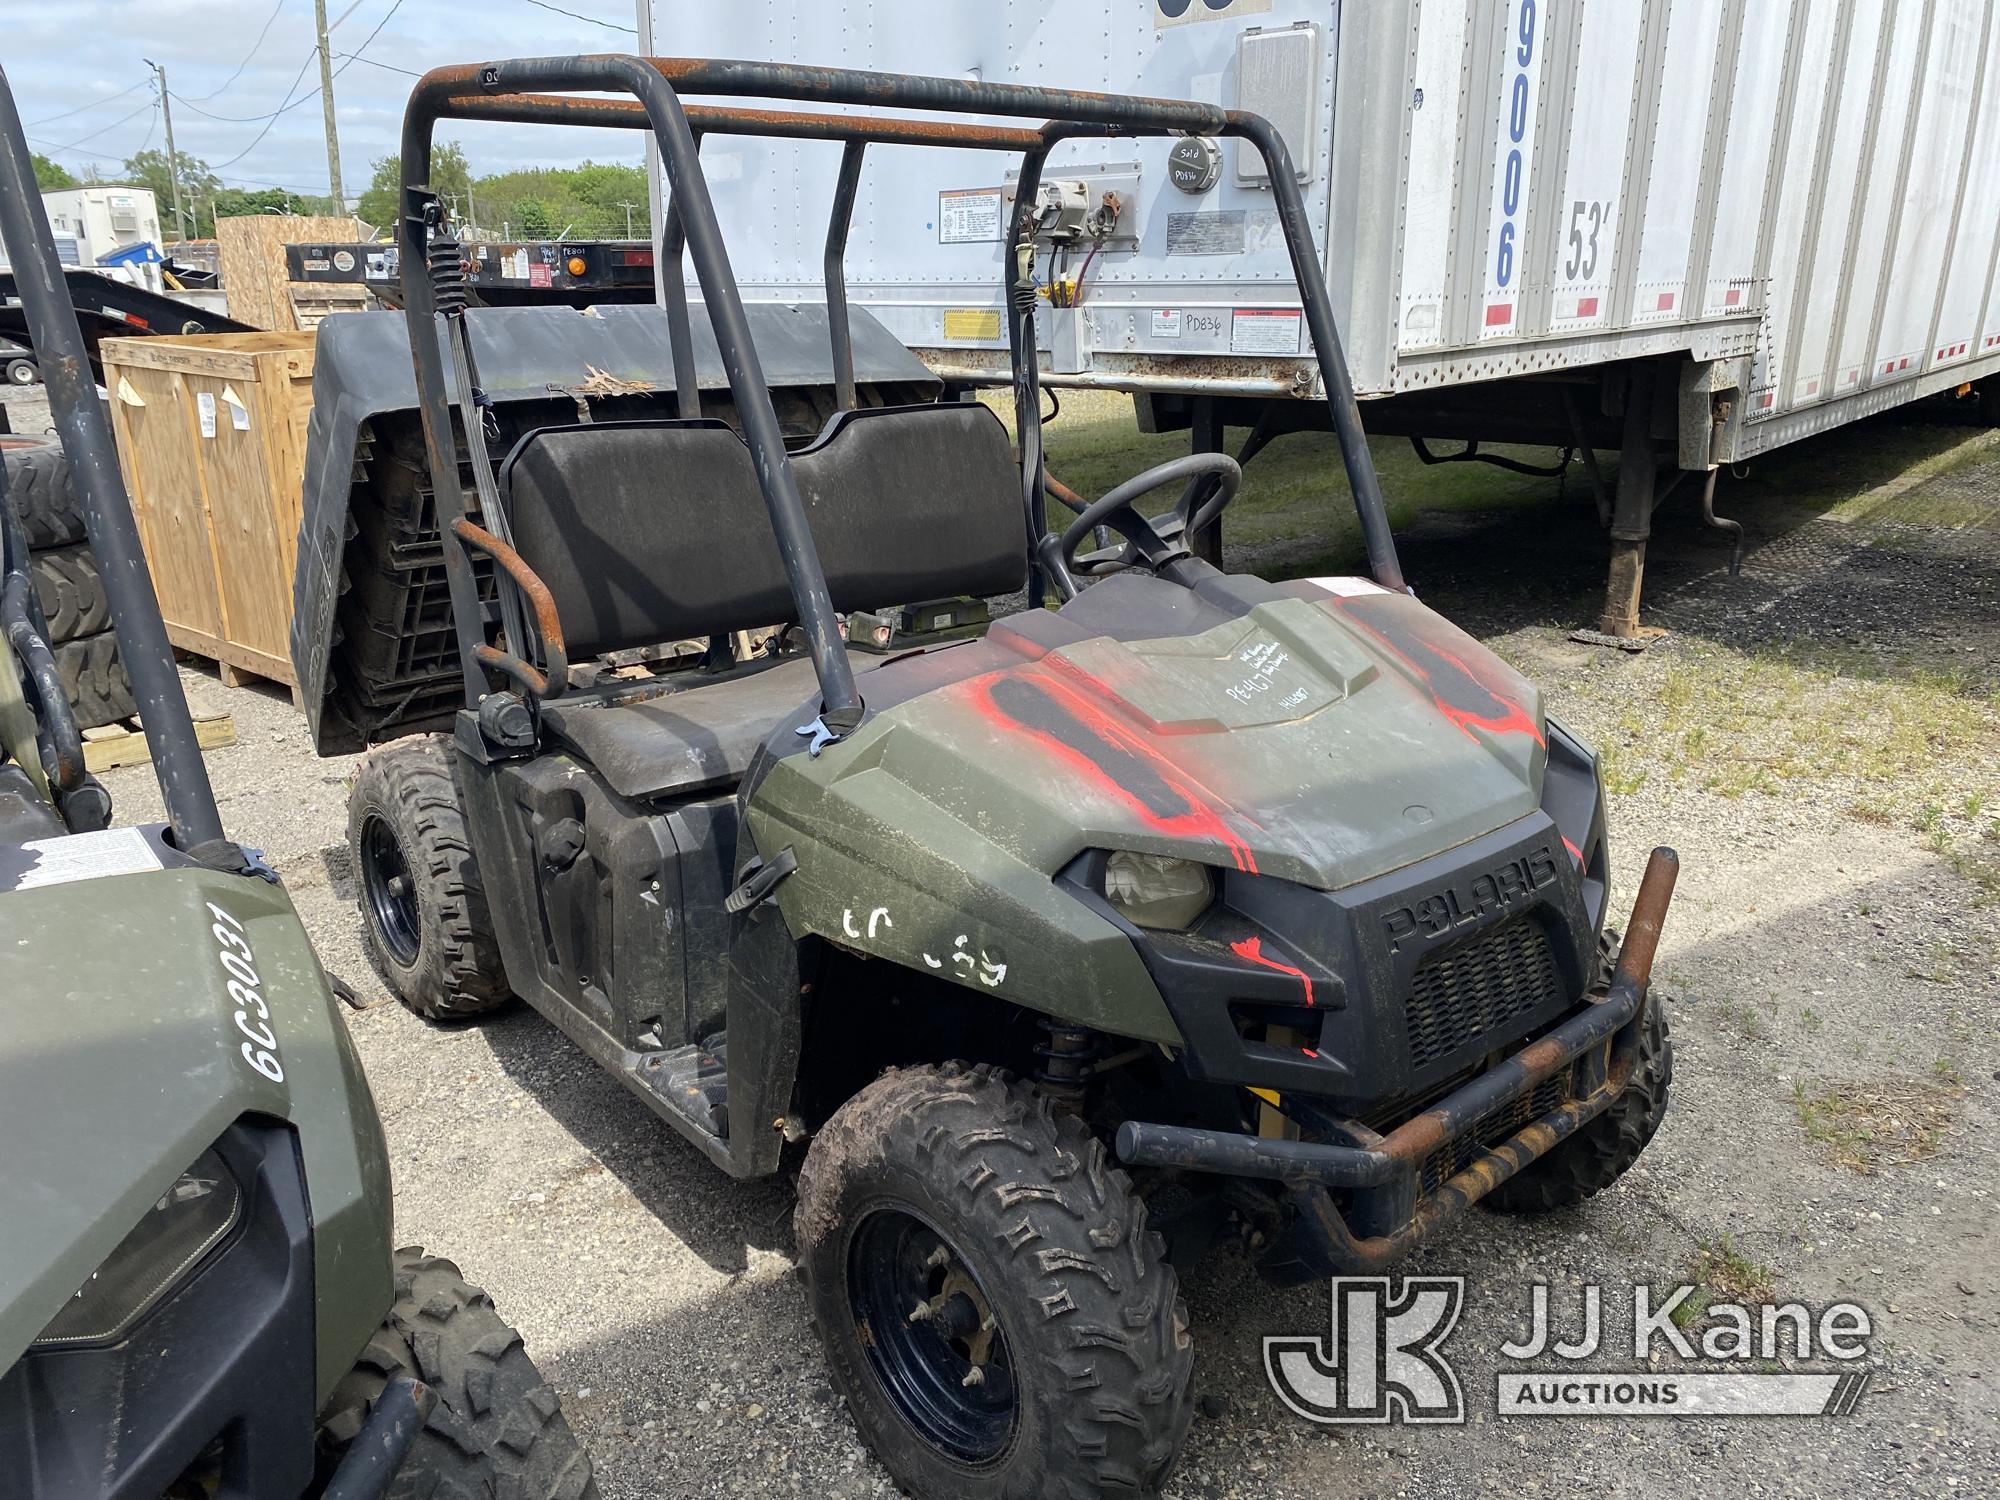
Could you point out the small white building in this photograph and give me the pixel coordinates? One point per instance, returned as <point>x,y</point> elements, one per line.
<point>108,223</point>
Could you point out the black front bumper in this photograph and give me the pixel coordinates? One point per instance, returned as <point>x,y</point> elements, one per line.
<point>1391,1186</point>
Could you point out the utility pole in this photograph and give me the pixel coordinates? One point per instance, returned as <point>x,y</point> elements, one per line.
<point>326,107</point>
<point>173,160</point>
<point>628,207</point>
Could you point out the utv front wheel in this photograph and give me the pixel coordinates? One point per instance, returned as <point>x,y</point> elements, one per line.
<point>496,1429</point>
<point>1602,1151</point>
<point>991,1303</point>
<point>423,908</point>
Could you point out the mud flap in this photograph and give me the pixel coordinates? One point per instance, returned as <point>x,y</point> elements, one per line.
<point>765,1027</point>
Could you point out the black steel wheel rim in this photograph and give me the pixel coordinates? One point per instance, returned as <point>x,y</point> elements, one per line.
<point>391,892</point>
<point>896,1264</point>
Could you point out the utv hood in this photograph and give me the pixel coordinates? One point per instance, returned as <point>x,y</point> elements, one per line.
<point>1321,733</point>
<point>122,1060</point>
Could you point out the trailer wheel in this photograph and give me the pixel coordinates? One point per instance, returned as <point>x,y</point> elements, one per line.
<point>991,1303</point>
<point>496,1428</point>
<point>22,372</point>
<point>1602,1151</point>
<point>71,592</point>
<point>423,906</point>
<point>39,489</point>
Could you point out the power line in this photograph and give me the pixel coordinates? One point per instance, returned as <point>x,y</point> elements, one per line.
<point>272,118</point>
<point>204,98</point>
<point>103,129</point>
<point>93,104</point>
<point>355,55</point>
<point>305,99</point>
<point>579,16</point>
<point>387,67</point>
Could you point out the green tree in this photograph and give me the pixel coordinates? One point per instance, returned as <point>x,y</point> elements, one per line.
<point>51,175</point>
<point>535,219</point>
<point>451,178</point>
<point>232,203</point>
<point>198,189</point>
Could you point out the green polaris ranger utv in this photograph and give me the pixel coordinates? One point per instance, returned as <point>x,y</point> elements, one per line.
<point>199,1298</point>
<point>1289,898</point>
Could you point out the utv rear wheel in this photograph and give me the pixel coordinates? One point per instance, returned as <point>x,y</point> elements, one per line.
<point>1602,1151</point>
<point>496,1430</point>
<point>423,907</point>
<point>991,1303</point>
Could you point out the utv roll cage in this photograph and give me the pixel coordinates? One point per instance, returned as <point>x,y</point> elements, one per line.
<point>546,90</point>
<point>50,318</point>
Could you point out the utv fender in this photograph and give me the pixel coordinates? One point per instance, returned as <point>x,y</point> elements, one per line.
<point>766,1023</point>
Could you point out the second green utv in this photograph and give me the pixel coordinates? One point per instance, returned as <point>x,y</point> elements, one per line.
<point>1195,909</point>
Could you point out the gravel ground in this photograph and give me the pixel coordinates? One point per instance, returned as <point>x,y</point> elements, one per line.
<point>1830,968</point>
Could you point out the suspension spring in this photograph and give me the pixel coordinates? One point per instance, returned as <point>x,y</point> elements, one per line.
<point>1064,1070</point>
<point>445,260</point>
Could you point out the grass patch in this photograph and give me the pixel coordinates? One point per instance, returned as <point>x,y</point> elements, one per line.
<point>1295,490</point>
<point>1733,721</point>
<point>1722,1273</point>
<point>1867,1126</point>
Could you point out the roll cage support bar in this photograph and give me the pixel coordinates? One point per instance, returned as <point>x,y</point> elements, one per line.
<point>543,90</point>
<point>107,510</point>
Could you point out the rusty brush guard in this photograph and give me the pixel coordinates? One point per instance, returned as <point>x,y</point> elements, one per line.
<point>1382,1173</point>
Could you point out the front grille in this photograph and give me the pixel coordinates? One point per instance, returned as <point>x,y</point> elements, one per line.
<point>1478,986</point>
<point>1454,1156</point>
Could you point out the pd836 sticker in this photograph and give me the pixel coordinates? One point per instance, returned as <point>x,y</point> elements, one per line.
<point>245,989</point>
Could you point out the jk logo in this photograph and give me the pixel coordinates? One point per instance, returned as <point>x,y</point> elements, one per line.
<point>1381,1362</point>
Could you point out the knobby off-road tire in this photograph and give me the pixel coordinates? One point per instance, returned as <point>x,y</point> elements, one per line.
<point>94,677</point>
<point>431,936</point>
<point>496,1433</point>
<point>1604,1150</point>
<point>39,489</point>
<point>1092,1335</point>
<point>71,592</point>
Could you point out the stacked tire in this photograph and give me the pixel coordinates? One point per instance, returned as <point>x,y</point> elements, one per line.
<point>66,579</point>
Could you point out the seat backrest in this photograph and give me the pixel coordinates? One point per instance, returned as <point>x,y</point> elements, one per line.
<point>656,531</point>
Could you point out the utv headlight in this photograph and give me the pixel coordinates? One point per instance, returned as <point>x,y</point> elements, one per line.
<point>191,1218</point>
<point>1156,890</point>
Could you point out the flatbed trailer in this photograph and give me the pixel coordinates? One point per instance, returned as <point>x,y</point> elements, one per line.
<point>107,308</point>
<point>511,273</point>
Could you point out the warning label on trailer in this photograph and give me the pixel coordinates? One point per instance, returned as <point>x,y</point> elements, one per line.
<point>1219,233</point>
<point>972,323</point>
<point>1265,330</point>
<point>969,216</point>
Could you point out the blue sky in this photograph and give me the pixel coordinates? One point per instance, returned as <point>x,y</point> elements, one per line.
<point>78,73</point>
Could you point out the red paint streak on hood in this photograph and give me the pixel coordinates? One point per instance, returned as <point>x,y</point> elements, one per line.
<point>1252,948</point>
<point>1461,689</point>
<point>1073,722</point>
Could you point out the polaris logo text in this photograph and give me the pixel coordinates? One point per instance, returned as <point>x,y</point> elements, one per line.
<point>1461,904</point>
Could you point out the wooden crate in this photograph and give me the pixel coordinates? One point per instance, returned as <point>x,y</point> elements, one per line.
<point>211,435</point>
<point>251,251</point>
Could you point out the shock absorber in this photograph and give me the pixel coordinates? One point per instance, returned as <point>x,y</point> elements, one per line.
<point>1065,1054</point>
<point>445,260</point>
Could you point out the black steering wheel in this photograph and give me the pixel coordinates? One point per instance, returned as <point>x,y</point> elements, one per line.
<point>1145,547</point>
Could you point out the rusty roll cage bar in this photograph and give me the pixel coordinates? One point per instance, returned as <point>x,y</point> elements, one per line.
<point>540,90</point>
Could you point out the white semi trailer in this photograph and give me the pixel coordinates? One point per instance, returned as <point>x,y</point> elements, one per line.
<point>1692,230</point>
